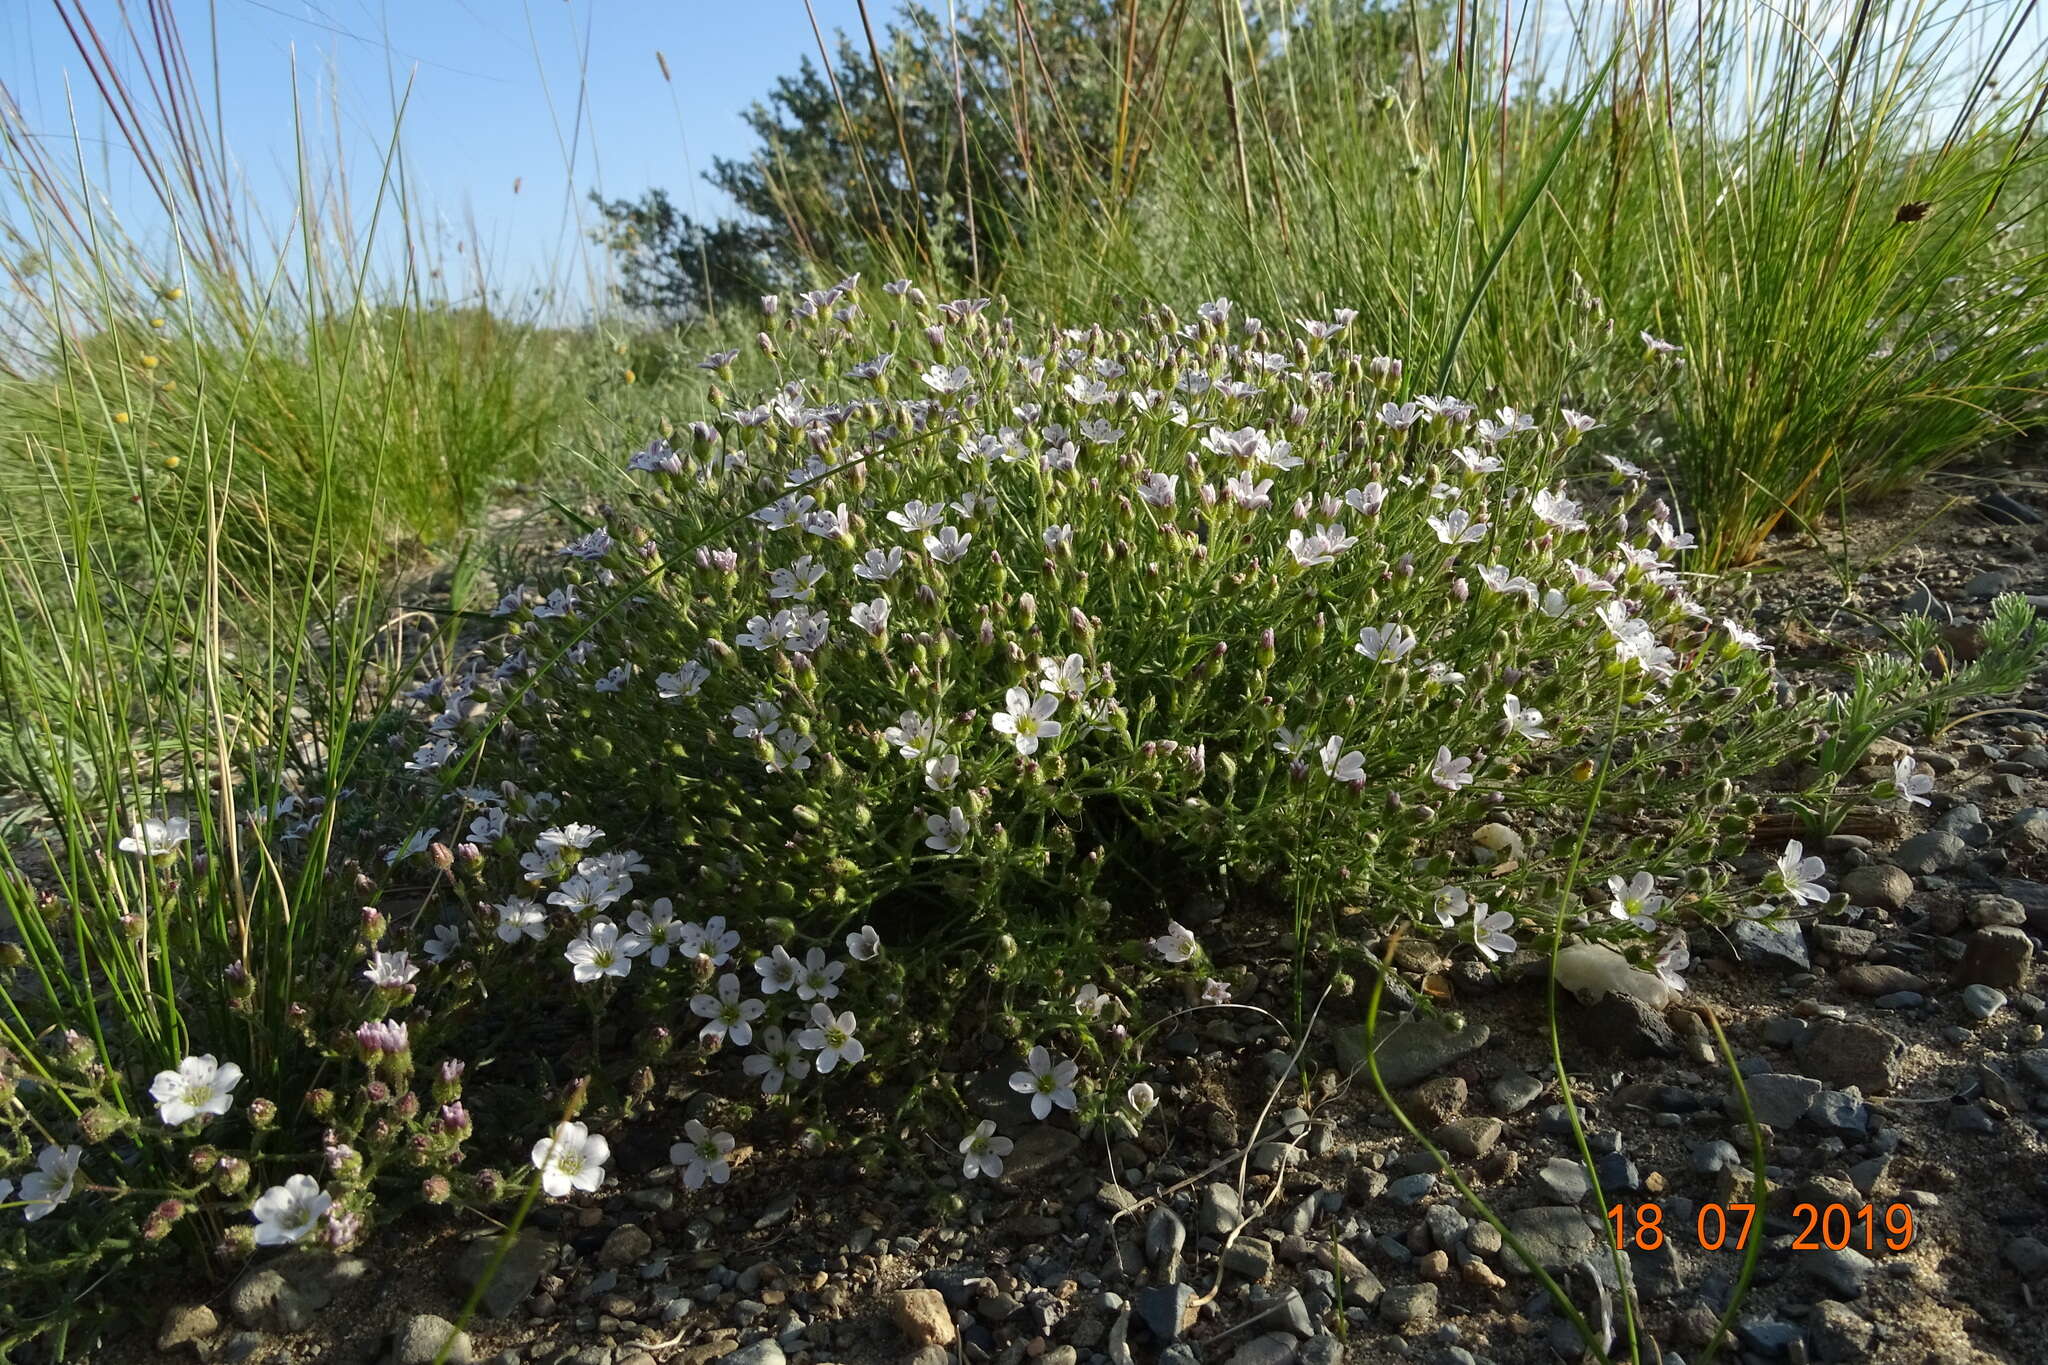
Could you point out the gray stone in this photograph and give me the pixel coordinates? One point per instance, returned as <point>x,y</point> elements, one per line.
<point>1446,1226</point>
<point>1411,1050</point>
<point>1409,1308</point>
<point>1411,1189</point>
<point>1514,1092</point>
<point>1987,911</point>
<point>2000,955</point>
<point>1839,1333</point>
<point>1250,1257</point>
<point>1322,1349</point>
<point>2034,1066</point>
<point>2029,1256</point>
<point>1968,1118</point>
<point>1166,1310</point>
<point>1981,1002</point>
<point>1768,1336</point>
<point>1845,1054</point>
<point>1274,1348</point>
<point>1843,941</point>
<point>265,1301</point>
<point>1771,945</point>
<point>1845,1270</point>
<point>423,1338</point>
<point>528,1257</point>
<point>1554,1237</point>
<point>1711,1158</point>
<point>1221,1211</point>
<point>1363,1290</point>
<point>1878,884</point>
<point>1164,1238</point>
<point>1779,1099</point>
<point>1839,1112</point>
<point>1563,1181</point>
<point>1043,1150</point>
<point>628,1245</point>
<point>186,1325</point>
<point>2027,830</point>
<point>766,1351</point>
<point>1469,1138</point>
<point>1935,850</point>
<point>1627,1026</point>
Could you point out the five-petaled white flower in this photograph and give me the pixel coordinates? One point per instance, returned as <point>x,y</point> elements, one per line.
<point>1177,944</point>
<point>703,1155</point>
<point>657,930</point>
<point>1798,876</point>
<point>1046,1081</point>
<point>1489,932</point>
<point>864,944</point>
<point>1339,764</point>
<point>520,916</point>
<point>1142,1098</point>
<point>1910,785</point>
<point>725,1015</point>
<point>1215,992</point>
<point>776,1061</point>
<point>982,1151</point>
<point>948,545</point>
<point>390,971</point>
<point>1635,900</point>
<point>1027,719</point>
<point>601,950</point>
<point>819,979</point>
<point>831,1037</point>
<point>1525,721</point>
<point>1450,772</point>
<point>200,1085</point>
<point>572,1158</point>
<point>1458,528</point>
<point>778,970</point>
<point>286,1213</point>
<point>49,1184</point>
<point>948,832</point>
<point>1385,644</point>
<point>157,837</point>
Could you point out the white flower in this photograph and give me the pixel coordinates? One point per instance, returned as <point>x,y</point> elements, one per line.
<point>1489,932</point>
<point>442,943</point>
<point>1142,1098</point>
<point>790,752</point>
<point>1027,719</point>
<point>820,978</point>
<point>1453,904</point>
<point>1215,992</point>
<point>1909,784</point>
<point>945,379</point>
<point>1653,346</point>
<point>1244,492</point>
<point>941,773</point>
<point>1635,900</point>
<point>864,945</point>
<point>200,1085</point>
<point>518,916</point>
<point>1367,500</point>
<point>1557,510</point>
<point>716,941</point>
<point>727,1016</point>
<point>1525,721</point>
<point>1177,944</point>
<point>918,515</point>
<point>157,838</point>
<point>831,1038</point>
<point>948,545</point>
<point>1386,644</point>
<point>1323,547</point>
<point>1458,528</point>
<point>572,1158</point>
<point>1744,639</point>
<point>658,931</point>
<point>777,1061</point>
<point>1046,1081</point>
<point>703,1155</point>
<point>49,1184</point>
<point>872,617</point>
<point>601,950</point>
<point>1058,535</point>
<point>389,971</point>
<point>1625,468</point>
<point>1798,876</point>
<point>1450,773</point>
<point>1159,489</point>
<point>1673,959</point>
<point>1499,578</point>
<point>1091,1000</point>
<point>798,582</point>
<point>1066,677</point>
<point>1577,424</point>
<point>879,565</point>
<point>778,970</point>
<point>948,832</point>
<point>286,1213</point>
<point>758,721</point>
<point>982,1151</point>
<point>1340,765</point>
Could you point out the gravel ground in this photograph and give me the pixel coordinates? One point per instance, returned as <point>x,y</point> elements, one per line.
<point>1894,1050</point>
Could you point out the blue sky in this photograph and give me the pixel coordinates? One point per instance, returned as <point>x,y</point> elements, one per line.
<point>483,74</point>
